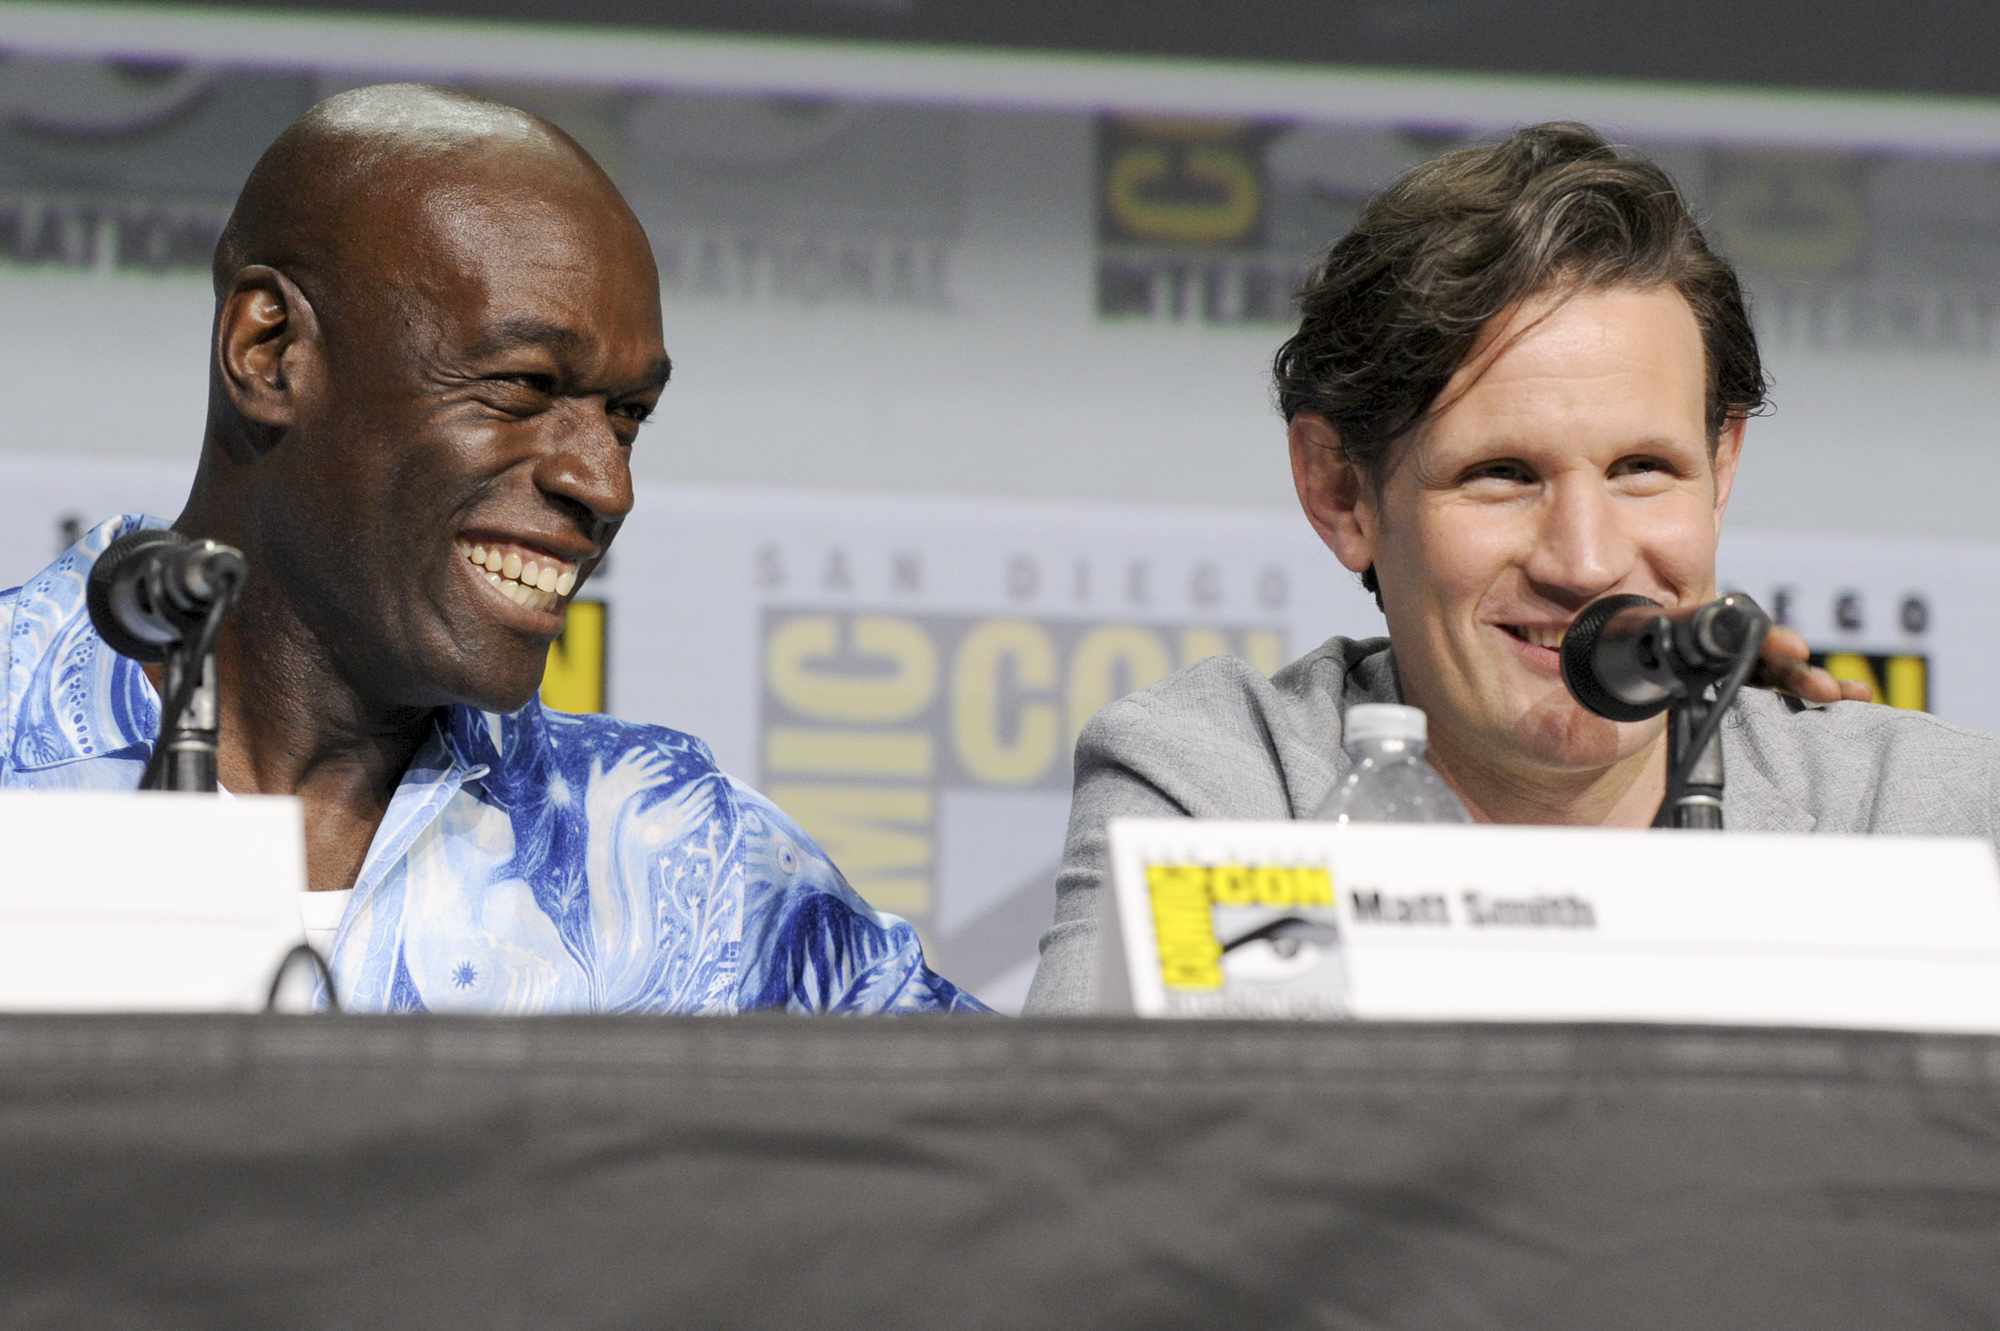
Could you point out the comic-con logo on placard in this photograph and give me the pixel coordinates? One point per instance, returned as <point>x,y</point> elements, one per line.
<point>1193,954</point>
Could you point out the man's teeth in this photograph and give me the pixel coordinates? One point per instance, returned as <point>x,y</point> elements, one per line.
<point>535,582</point>
<point>1538,637</point>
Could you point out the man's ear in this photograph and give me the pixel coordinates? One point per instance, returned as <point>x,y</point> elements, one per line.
<point>1728,452</point>
<point>265,333</point>
<point>1335,493</point>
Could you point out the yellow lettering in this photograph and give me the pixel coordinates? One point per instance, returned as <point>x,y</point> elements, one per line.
<point>1271,886</point>
<point>1909,682</point>
<point>1190,956</point>
<point>1265,650</point>
<point>820,751</point>
<point>1200,644</point>
<point>1104,656</point>
<point>574,678</point>
<point>1854,666</point>
<point>900,684</point>
<point>1312,887</point>
<point>1233,885</point>
<point>976,704</point>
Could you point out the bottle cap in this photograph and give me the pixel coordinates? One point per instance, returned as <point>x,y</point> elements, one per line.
<point>1384,720</point>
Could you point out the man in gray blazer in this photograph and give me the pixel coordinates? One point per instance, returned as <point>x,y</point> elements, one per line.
<point>1518,385</point>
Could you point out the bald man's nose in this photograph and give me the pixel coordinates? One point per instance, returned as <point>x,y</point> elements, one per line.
<point>589,467</point>
<point>1582,549</point>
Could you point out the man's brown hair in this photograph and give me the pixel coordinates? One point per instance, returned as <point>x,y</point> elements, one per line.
<point>1396,306</point>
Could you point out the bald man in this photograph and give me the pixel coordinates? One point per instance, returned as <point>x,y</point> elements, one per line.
<point>437,334</point>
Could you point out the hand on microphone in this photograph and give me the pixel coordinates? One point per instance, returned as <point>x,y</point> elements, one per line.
<point>1783,665</point>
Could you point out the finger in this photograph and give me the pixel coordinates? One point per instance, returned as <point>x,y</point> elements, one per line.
<point>1783,646</point>
<point>1852,690</point>
<point>1807,681</point>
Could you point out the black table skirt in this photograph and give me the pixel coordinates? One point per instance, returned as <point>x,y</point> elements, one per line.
<point>966,1172</point>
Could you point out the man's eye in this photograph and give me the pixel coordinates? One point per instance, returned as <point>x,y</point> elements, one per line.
<point>1643,467</point>
<point>1503,473</point>
<point>544,384</point>
<point>636,412</point>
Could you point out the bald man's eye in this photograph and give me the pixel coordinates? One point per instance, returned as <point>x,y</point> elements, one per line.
<point>636,412</point>
<point>518,394</point>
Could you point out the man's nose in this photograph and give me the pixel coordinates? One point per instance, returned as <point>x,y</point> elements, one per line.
<point>587,466</point>
<point>1582,548</point>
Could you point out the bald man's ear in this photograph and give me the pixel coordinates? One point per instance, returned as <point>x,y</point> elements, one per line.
<point>265,335</point>
<point>1334,492</point>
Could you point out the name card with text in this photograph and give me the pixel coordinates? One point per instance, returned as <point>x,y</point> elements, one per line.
<point>1389,922</point>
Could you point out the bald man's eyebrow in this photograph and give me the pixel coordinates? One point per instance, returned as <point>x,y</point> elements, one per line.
<point>525,332</point>
<point>522,332</point>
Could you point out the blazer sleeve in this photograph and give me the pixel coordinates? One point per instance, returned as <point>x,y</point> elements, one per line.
<point>1114,766</point>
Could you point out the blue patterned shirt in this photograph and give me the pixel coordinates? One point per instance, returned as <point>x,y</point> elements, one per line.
<point>532,862</point>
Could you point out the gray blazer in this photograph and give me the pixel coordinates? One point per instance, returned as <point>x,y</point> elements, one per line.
<point>1218,740</point>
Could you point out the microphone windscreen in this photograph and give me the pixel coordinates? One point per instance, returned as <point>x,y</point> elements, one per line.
<point>110,599</point>
<point>1580,664</point>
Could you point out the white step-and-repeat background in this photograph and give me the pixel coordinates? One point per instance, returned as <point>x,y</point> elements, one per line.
<point>970,429</point>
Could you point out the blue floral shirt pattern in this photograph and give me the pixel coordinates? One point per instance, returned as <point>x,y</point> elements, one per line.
<point>532,862</point>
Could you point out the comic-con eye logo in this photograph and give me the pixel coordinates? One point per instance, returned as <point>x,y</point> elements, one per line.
<point>1182,222</point>
<point>1181,182</point>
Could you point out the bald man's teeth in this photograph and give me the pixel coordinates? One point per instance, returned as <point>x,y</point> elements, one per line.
<point>536,582</point>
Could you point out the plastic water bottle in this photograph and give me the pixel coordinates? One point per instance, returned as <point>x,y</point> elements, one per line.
<point>1389,782</point>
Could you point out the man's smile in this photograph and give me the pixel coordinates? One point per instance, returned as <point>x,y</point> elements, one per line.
<point>1539,645</point>
<point>532,579</point>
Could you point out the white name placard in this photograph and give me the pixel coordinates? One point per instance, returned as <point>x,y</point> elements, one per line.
<point>1551,924</point>
<point>127,902</point>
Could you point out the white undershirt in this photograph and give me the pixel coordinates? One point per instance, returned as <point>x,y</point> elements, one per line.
<point>319,912</point>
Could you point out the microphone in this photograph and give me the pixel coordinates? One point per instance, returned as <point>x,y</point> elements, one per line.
<point>1627,658</point>
<point>151,588</point>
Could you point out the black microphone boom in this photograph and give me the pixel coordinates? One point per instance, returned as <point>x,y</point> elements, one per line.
<point>1627,658</point>
<point>151,588</point>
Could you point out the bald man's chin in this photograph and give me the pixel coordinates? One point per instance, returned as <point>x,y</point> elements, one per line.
<point>502,675</point>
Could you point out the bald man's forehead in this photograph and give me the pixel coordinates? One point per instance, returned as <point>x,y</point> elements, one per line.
<point>472,251</point>
<point>433,219</point>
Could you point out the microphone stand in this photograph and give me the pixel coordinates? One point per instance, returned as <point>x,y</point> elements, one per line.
<point>1693,799</point>
<point>187,749</point>
<point>1697,804</point>
<point>184,757</point>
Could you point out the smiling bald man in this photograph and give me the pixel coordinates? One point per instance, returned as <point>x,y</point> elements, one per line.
<point>437,335</point>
